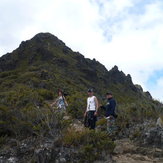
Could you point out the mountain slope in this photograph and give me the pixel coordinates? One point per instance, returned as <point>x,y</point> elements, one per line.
<point>47,56</point>
<point>29,79</point>
<point>34,71</point>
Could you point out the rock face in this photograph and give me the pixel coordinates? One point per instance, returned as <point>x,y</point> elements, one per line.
<point>154,137</point>
<point>128,152</point>
<point>147,134</point>
<point>46,150</point>
<point>43,152</point>
<point>119,77</point>
<point>140,89</point>
<point>159,122</point>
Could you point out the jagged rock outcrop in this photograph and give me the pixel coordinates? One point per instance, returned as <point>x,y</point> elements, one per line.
<point>141,91</point>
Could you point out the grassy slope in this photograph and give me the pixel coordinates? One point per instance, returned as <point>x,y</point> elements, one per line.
<point>32,74</point>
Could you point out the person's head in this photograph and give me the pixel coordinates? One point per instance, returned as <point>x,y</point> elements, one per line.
<point>90,92</point>
<point>109,95</point>
<point>60,92</point>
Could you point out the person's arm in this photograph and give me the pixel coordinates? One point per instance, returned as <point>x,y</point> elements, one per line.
<point>97,105</point>
<point>103,107</point>
<point>85,113</point>
<point>54,103</point>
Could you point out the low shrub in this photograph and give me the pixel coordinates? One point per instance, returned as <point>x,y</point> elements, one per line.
<point>77,105</point>
<point>102,124</point>
<point>91,143</point>
<point>136,134</point>
<point>46,94</point>
<point>3,140</point>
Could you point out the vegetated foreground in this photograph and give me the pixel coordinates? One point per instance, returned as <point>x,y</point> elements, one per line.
<point>30,130</point>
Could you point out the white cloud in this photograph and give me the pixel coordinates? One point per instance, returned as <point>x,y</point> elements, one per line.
<point>115,32</point>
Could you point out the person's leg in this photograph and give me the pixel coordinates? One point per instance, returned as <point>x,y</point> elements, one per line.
<point>86,120</point>
<point>89,119</point>
<point>89,123</point>
<point>110,125</point>
<point>93,121</point>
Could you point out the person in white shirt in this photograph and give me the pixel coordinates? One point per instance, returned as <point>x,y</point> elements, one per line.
<point>91,110</point>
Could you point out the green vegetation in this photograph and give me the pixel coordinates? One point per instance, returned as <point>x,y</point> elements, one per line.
<point>102,124</point>
<point>77,105</point>
<point>91,143</point>
<point>3,140</point>
<point>32,74</point>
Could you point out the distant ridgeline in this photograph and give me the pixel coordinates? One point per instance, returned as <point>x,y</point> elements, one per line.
<point>32,73</point>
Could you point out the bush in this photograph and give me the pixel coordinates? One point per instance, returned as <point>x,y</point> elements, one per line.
<point>102,124</point>
<point>21,96</point>
<point>8,73</point>
<point>30,120</point>
<point>3,140</point>
<point>136,134</point>
<point>77,105</point>
<point>46,94</point>
<point>91,143</point>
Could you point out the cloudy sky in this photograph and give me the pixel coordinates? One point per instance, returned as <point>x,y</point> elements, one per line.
<point>127,33</point>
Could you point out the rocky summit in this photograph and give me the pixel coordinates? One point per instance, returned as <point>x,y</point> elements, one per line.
<point>32,131</point>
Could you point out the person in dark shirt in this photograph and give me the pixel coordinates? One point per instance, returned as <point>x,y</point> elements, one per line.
<point>110,105</point>
<point>110,112</point>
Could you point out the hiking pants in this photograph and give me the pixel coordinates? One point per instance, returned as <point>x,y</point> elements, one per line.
<point>111,125</point>
<point>91,119</point>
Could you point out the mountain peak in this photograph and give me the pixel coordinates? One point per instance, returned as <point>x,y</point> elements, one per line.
<point>42,40</point>
<point>46,50</point>
<point>44,36</point>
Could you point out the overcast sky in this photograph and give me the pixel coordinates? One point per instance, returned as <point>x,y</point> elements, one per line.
<point>126,33</point>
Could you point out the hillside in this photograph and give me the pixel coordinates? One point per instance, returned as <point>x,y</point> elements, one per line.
<point>46,62</point>
<point>31,75</point>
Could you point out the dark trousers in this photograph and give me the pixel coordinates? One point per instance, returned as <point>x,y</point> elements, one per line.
<point>91,120</point>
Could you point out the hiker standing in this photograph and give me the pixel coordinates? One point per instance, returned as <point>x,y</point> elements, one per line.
<point>91,110</point>
<point>60,102</point>
<point>110,112</point>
